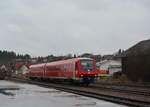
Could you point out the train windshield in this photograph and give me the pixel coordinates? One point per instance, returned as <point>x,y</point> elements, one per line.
<point>87,65</point>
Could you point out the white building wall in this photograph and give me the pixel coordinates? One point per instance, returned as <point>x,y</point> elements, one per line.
<point>104,66</point>
<point>113,70</point>
<point>23,69</point>
<point>111,65</point>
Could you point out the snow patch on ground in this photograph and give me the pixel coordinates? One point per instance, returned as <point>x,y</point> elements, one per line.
<point>36,96</point>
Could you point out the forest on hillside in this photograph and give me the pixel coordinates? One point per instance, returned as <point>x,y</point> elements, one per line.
<point>6,56</point>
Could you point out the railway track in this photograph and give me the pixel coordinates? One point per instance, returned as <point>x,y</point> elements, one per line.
<point>125,89</point>
<point>137,85</point>
<point>96,92</point>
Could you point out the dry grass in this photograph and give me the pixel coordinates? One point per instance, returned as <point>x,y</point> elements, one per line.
<point>120,79</point>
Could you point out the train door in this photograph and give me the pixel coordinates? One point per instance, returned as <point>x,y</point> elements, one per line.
<point>75,71</point>
<point>44,70</point>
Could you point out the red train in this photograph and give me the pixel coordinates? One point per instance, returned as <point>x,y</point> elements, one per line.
<point>81,70</point>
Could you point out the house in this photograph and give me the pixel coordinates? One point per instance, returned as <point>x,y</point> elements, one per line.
<point>3,67</point>
<point>21,68</point>
<point>109,67</point>
<point>136,62</point>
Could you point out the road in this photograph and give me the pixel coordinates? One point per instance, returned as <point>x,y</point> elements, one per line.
<point>25,95</point>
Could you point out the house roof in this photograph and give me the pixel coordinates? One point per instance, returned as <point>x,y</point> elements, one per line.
<point>107,61</point>
<point>19,65</point>
<point>141,48</point>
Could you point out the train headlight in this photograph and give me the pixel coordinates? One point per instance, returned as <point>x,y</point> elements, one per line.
<point>81,75</point>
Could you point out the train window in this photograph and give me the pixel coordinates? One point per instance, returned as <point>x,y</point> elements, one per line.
<point>62,67</point>
<point>66,68</point>
<point>87,65</point>
<point>51,68</point>
<point>70,67</point>
<point>58,68</point>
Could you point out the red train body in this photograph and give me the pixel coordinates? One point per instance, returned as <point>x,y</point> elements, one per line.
<point>81,70</point>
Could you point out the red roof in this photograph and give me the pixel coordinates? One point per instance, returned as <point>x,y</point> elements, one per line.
<point>18,65</point>
<point>28,64</point>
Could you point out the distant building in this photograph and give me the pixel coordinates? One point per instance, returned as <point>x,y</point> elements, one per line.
<point>109,67</point>
<point>21,68</point>
<point>3,67</point>
<point>107,57</point>
<point>34,60</point>
<point>87,55</point>
<point>141,48</point>
<point>95,57</point>
<point>136,62</point>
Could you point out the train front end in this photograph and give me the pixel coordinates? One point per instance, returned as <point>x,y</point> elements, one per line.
<point>87,73</point>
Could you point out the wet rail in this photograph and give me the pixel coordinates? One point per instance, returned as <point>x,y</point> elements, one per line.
<point>95,92</point>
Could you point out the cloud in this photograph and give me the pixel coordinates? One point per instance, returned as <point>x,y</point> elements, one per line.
<point>43,27</point>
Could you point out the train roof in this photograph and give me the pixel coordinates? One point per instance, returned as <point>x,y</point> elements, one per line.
<point>62,61</point>
<point>84,58</point>
<point>68,61</point>
<point>37,65</point>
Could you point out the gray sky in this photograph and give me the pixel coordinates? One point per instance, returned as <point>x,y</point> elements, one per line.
<point>43,27</point>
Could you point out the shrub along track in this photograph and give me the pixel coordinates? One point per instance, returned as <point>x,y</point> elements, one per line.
<point>120,97</point>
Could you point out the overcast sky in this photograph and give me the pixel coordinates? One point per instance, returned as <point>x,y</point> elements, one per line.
<point>43,27</point>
